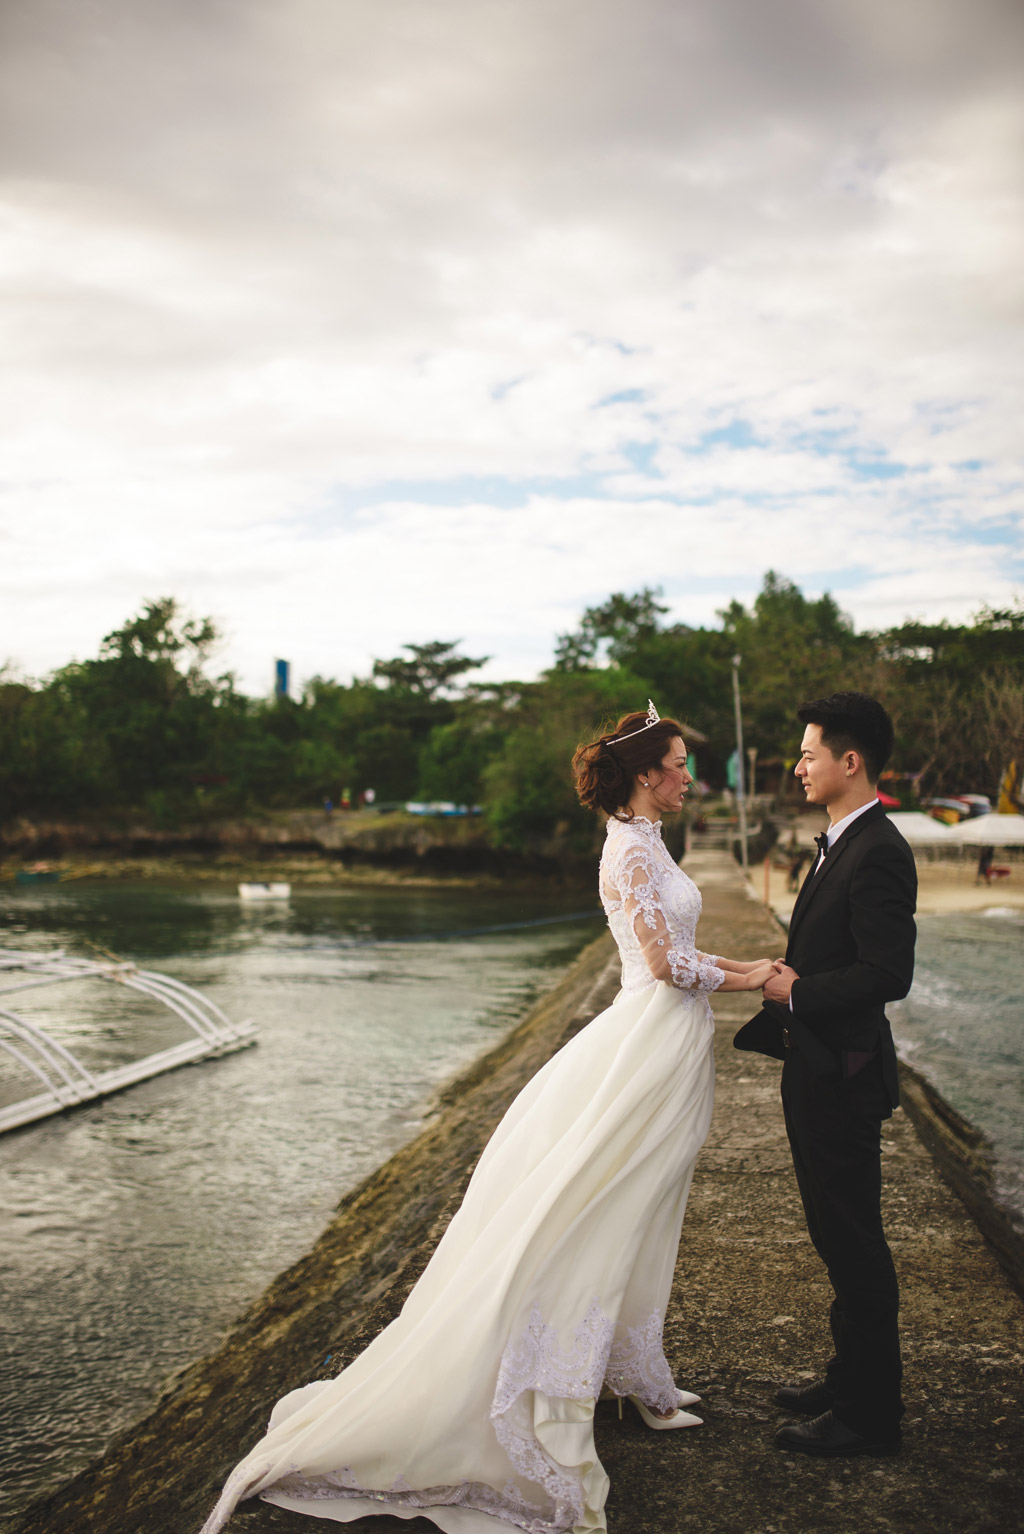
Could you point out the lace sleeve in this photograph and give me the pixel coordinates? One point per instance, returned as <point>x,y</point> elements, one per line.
<point>666,956</point>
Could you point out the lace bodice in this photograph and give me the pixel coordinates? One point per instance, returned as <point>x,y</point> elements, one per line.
<point>652,909</point>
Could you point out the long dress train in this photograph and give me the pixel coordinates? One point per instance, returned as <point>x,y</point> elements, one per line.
<point>475,1406</point>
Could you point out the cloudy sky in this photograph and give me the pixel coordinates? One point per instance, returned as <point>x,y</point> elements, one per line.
<point>358,322</point>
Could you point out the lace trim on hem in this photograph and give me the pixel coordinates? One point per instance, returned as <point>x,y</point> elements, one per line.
<point>536,1360</point>
<point>637,1366</point>
<point>633,1364</point>
<point>508,1505</point>
<point>629,1362</point>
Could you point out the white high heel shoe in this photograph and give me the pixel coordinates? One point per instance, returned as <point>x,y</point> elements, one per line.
<point>685,1397</point>
<point>660,1424</point>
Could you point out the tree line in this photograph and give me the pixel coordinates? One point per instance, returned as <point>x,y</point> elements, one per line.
<point>144,728</point>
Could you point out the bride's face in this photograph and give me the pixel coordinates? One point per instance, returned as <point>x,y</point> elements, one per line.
<point>668,783</point>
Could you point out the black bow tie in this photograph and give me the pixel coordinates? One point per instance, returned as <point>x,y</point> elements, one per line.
<point>821,842</point>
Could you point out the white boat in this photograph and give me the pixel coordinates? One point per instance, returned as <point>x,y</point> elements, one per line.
<point>264,891</point>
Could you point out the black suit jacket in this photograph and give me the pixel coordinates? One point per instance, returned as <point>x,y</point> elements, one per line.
<point>851,941</point>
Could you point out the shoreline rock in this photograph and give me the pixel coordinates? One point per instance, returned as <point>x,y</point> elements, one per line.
<point>439,845</point>
<point>967,1162</point>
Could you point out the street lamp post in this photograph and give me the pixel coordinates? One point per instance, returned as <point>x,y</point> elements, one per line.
<point>741,797</point>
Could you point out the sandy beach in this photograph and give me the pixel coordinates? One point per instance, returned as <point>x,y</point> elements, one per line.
<point>942,887</point>
<point>951,887</point>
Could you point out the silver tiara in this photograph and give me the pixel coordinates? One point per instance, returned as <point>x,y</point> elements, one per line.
<point>653,718</point>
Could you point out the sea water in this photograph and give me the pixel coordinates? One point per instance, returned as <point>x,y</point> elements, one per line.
<point>962,1027</point>
<point>134,1230</point>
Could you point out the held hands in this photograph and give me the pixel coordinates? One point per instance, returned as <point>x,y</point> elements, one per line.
<point>745,974</point>
<point>779,982</point>
<point>772,976</point>
<point>759,974</point>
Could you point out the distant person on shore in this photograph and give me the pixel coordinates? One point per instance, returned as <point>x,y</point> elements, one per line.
<point>475,1407</point>
<point>985,860</point>
<point>797,858</point>
<point>851,950</point>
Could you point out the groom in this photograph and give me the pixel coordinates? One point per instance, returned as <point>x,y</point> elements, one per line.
<point>851,949</point>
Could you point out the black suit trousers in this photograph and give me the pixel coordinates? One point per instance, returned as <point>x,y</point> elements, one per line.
<point>834,1127</point>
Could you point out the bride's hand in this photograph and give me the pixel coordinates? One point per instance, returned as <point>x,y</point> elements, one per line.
<point>746,966</point>
<point>760,973</point>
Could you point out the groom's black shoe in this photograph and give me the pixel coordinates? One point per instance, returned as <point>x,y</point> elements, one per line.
<point>826,1436</point>
<point>808,1400</point>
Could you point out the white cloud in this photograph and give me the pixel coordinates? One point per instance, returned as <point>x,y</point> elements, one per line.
<point>260,261</point>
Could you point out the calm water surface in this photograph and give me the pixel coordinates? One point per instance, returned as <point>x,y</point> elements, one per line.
<point>134,1230</point>
<point>962,1026</point>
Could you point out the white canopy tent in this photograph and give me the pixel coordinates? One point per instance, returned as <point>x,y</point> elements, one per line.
<point>988,831</point>
<point>922,830</point>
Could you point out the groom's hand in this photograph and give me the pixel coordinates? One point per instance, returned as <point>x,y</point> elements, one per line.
<point>778,986</point>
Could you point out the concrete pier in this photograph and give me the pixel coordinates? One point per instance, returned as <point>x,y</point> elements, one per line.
<point>748,1312</point>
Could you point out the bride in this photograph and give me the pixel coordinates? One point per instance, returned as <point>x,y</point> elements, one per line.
<point>475,1407</point>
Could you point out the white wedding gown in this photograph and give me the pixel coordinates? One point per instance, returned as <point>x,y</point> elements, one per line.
<point>475,1407</point>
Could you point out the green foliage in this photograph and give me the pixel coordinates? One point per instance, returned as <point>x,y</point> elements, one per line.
<point>933,678</point>
<point>687,673</point>
<point>453,761</point>
<point>48,756</point>
<point>623,622</point>
<point>140,720</point>
<point>956,653</point>
<point>144,728</point>
<point>528,792</point>
<point>791,650</point>
<point>428,672</point>
<point>956,693</point>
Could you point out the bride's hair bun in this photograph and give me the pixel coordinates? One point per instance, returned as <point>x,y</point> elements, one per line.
<point>604,770</point>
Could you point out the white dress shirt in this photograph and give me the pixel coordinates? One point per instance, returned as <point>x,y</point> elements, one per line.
<point>836,831</point>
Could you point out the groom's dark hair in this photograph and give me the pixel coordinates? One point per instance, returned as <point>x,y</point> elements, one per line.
<point>851,721</point>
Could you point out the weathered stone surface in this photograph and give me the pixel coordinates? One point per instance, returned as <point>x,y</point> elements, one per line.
<point>748,1312</point>
<point>303,841</point>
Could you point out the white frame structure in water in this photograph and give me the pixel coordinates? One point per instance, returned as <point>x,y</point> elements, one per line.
<point>67,1082</point>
